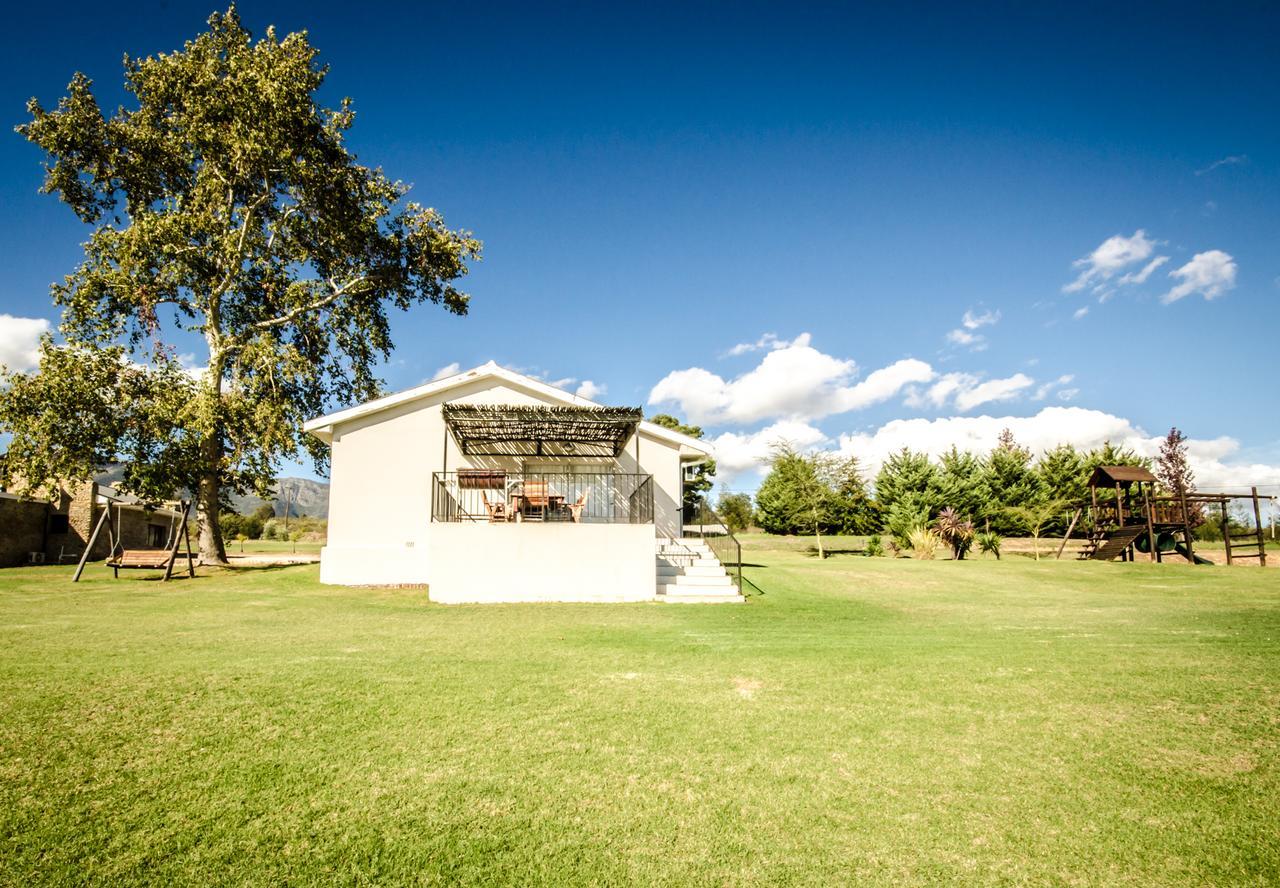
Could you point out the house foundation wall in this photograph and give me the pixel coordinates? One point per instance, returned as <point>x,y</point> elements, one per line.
<point>492,563</point>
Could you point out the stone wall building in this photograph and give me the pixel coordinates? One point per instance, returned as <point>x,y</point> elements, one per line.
<point>56,531</point>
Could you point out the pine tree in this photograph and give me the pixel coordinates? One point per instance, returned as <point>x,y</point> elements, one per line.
<point>903,473</point>
<point>1012,483</point>
<point>960,483</point>
<point>1172,467</point>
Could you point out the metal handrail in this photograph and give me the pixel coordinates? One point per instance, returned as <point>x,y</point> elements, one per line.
<point>713,535</point>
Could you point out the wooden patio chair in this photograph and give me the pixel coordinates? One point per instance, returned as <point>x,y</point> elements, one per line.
<point>575,508</point>
<point>497,511</point>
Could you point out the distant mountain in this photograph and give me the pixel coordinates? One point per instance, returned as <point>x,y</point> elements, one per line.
<point>302,496</point>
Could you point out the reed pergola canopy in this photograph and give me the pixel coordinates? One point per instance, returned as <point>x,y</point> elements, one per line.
<point>533,430</point>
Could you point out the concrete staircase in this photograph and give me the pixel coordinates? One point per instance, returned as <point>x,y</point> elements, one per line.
<point>689,573</point>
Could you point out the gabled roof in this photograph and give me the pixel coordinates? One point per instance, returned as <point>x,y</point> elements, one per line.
<point>1110,475</point>
<point>322,426</point>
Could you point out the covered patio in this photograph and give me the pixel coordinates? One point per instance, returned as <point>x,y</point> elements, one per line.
<point>499,486</point>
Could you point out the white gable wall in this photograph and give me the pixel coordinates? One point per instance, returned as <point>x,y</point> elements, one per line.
<point>380,476</point>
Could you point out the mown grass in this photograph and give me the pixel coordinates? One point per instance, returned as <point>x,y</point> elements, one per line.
<point>867,721</point>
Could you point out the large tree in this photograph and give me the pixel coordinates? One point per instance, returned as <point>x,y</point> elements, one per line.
<point>1012,483</point>
<point>700,481</point>
<point>225,208</point>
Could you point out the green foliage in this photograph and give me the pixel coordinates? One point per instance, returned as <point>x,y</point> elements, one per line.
<point>875,547</point>
<point>960,483</point>
<point>735,510</point>
<point>801,493</point>
<point>265,512</point>
<point>903,474</point>
<point>1035,516</point>
<point>852,511</point>
<point>236,526</point>
<point>89,407</point>
<point>1012,483</point>
<point>956,532</point>
<point>1063,474</point>
<point>702,477</point>
<point>224,203</point>
<point>989,542</point>
<point>909,514</point>
<point>924,544</point>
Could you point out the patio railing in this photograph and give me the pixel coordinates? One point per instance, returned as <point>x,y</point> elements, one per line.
<point>705,523</point>
<point>486,495</point>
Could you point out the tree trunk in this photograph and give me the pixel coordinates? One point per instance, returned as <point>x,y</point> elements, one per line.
<point>212,548</point>
<point>209,504</point>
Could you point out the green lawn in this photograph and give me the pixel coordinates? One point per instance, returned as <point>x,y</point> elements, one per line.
<point>868,721</point>
<point>273,547</point>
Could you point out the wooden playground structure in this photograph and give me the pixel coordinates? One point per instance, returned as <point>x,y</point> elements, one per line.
<point>1126,514</point>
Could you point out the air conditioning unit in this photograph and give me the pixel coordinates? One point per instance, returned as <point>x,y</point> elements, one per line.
<point>35,558</point>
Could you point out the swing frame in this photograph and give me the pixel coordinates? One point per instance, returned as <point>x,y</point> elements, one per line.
<point>142,559</point>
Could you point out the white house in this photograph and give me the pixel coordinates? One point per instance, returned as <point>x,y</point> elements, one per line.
<point>491,486</point>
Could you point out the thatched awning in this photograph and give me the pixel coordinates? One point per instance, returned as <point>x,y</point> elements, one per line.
<point>527,430</point>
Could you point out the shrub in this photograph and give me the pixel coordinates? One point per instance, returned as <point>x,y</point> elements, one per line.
<point>989,541</point>
<point>909,514</point>
<point>956,532</point>
<point>875,548</point>
<point>924,544</point>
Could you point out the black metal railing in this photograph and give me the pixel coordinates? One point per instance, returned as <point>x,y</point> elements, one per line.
<point>702,521</point>
<point>496,496</point>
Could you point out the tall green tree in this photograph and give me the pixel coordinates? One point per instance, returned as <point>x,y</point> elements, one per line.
<point>1063,474</point>
<point>960,484</point>
<point>224,206</point>
<point>1012,483</point>
<point>701,479</point>
<point>800,491</point>
<point>852,509</point>
<point>905,472</point>
<point>735,510</point>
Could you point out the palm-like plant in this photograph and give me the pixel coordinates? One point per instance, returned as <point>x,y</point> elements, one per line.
<point>955,531</point>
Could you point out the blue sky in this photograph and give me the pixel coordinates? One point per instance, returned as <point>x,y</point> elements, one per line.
<point>657,185</point>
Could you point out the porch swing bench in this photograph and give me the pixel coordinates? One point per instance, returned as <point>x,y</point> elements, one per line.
<point>146,559</point>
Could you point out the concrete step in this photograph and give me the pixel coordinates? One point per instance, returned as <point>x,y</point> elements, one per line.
<point>672,595</point>
<point>696,570</point>
<point>686,580</point>
<point>687,562</point>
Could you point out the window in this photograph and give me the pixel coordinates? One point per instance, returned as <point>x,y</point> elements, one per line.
<point>59,523</point>
<point>157,535</point>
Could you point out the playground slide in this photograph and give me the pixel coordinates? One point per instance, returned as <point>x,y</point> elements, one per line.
<point>1181,549</point>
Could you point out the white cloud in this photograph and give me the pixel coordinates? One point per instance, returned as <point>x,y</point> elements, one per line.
<point>965,336</point>
<point>793,380</point>
<point>1079,426</point>
<point>740,452</point>
<point>1210,274</point>
<point>20,342</point>
<point>447,370</point>
<point>1068,394</point>
<point>1043,391</point>
<point>967,391</point>
<point>1229,160</point>
<point>1080,312</point>
<point>1111,257</point>
<point>767,341</point>
<point>1140,277</point>
<point>590,390</point>
<point>992,390</point>
<point>970,321</point>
